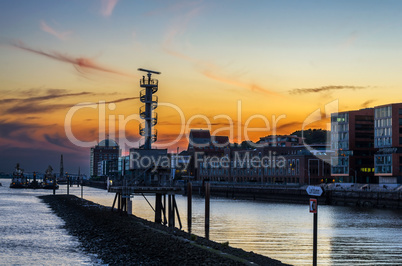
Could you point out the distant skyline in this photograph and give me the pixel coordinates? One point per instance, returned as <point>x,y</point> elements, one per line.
<point>285,59</point>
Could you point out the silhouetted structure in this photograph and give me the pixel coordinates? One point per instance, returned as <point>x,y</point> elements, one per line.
<point>106,150</point>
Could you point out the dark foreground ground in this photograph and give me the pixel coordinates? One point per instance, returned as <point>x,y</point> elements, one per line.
<point>130,240</point>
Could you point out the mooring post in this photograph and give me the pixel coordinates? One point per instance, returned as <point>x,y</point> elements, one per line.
<point>54,185</point>
<point>82,190</point>
<point>158,208</point>
<point>68,185</point>
<point>189,206</point>
<point>315,239</point>
<point>164,210</point>
<point>207,209</point>
<point>170,223</point>
<point>119,202</point>
<point>129,206</point>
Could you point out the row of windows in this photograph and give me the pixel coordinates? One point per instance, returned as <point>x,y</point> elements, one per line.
<point>383,170</point>
<point>251,172</point>
<point>337,127</point>
<point>341,145</point>
<point>384,122</point>
<point>339,170</point>
<point>383,132</point>
<point>383,159</point>
<point>383,142</point>
<point>383,112</point>
<point>340,136</point>
<point>272,180</point>
<point>340,118</point>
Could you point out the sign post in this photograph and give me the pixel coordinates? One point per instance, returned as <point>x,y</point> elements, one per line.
<point>313,206</point>
<point>313,209</point>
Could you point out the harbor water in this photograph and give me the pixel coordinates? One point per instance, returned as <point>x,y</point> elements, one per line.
<point>346,236</point>
<point>30,234</point>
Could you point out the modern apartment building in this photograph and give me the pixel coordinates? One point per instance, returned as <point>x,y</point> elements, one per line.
<point>352,139</point>
<point>107,149</point>
<point>388,140</point>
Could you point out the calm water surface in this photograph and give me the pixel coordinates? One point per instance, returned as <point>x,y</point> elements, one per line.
<point>346,236</point>
<point>30,234</point>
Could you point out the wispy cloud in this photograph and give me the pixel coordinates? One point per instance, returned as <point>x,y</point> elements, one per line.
<point>367,103</point>
<point>81,64</point>
<point>107,7</point>
<point>215,75</point>
<point>207,69</point>
<point>325,89</point>
<point>60,35</point>
<point>50,96</point>
<point>48,102</point>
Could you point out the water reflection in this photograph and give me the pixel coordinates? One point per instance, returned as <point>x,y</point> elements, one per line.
<point>30,234</point>
<point>346,236</point>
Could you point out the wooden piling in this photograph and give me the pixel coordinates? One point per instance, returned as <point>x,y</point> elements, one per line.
<point>170,211</point>
<point>164,210</point>
<point>68,185</point>
<point>189,206</point>
<point>54,185</point>
<point>114,201</point>
<point>119,202</point>
<point>207,209</point>
<point>177,211</point>
<point>158,208</point>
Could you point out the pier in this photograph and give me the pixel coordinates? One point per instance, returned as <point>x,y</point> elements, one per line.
<point>165,213</point>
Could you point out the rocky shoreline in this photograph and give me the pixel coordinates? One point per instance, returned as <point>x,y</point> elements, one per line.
<point>130,240</point>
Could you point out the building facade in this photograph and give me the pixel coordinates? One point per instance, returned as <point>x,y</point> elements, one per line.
<point>352,139</point>
<point>270,165</point>
<point>388,140</point>
<point>106,150</point>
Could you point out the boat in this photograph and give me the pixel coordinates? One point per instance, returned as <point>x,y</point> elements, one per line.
<point>34,183</point>
<point>18,180</point>
<point>49,180</point>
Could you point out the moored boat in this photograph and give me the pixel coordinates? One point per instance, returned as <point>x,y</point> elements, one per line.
<point>18,180</point>
<point>49,180</point>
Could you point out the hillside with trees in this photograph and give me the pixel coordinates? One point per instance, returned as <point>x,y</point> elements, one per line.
<point>313,136</point>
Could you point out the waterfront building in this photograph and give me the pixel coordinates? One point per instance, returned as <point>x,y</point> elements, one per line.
<point>201,140</point>
<point>388,140</point>
<point>150,167</point>
<point>352,140</point>
<point>270,165</point>
<point>108,168</point>
<point>179,166</point>
<point>123,166</point>
<point>107,149</point>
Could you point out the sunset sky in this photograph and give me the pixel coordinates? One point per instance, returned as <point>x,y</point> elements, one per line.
<point>270,60</point>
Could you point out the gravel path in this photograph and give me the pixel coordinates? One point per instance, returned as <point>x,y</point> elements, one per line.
<point>129,240</point>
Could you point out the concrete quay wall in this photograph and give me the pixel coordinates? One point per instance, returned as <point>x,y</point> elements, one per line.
<point>391,199</point>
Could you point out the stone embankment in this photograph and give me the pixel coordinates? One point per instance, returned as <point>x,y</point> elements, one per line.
<point>129,240</point>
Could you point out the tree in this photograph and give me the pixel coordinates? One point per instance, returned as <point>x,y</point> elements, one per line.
<point>313,136</point>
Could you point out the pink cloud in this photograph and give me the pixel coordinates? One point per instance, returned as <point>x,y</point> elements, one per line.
<point>82,64</point>
<point>107,7</point>
<point>60,35</point>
